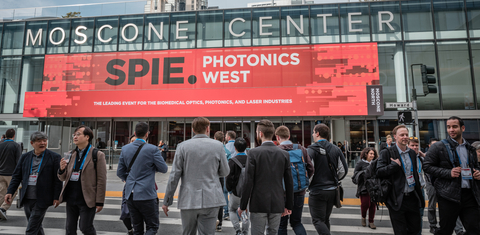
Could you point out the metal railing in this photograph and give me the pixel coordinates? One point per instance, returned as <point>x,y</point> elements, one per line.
<point>86,10</point>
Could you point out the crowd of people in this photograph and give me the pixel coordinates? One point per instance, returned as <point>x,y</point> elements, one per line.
<point>260,190</point>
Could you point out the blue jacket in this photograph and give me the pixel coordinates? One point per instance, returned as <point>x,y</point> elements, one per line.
<point>48,184</point>
<point>141,178</point>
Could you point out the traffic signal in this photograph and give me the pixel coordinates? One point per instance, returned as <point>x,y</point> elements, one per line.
<point>428,79</point>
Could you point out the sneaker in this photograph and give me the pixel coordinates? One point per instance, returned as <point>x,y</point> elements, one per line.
<point>219,228</point>
<point>226,217</point>
<point>433,229</point>
<point>130,232</point>
<point>3,214</point>
<point>372,226</point>
<point>239,232</point>
<point>364,222</point>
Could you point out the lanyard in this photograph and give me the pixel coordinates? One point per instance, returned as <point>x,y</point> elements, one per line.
<point>460,159</point>
<point>31,164</point>
<point>419,165</point>
<point>7,140</point>
<point>231,141</point>
<point>86,154</point>
<point>142,140</point>
<point>239,154</point>
<point>322,140</point>
<point>403,165</point>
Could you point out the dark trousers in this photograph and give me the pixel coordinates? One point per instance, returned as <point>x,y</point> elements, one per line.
<point>432,204</point>
<point>144,211</point>
<point>295,217</point>
<point>406,221</point>
<point>367,205</point>
<point>86,214</point>
<point>321,205</point>
<point>35,217</point>
<point>220,216</point>
<point>467,210</point>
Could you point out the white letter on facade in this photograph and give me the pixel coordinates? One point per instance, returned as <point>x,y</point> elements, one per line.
<point>230,27</point>
<point>350,22</point>
<point>181,29</point>
<point>100,31</point>
<point>264,25</point>
<point>151,27</point>
<point>84,36</point>
<point>61,40</point>
<point>381,22</point>
<point>123,32</point>
<point>290,20</point>
<point>34,40</point>
<point>324,21</point>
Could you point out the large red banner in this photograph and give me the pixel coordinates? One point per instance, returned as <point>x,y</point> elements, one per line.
<point>308,80</point>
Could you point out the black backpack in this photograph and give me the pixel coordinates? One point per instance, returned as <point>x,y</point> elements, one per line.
<point>378,189</point>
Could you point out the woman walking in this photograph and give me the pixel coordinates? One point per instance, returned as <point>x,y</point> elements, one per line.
<point>367,156</point>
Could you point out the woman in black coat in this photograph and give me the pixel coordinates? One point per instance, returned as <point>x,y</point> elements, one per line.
<point>367,156</point>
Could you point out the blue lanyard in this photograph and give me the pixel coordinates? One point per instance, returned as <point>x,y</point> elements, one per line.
<point>403,165</point>
<point>322,140</point>
<point>142,140</point>
<point>460,159</point>
<point>419,165</point>
<point>231,141</point>
<point>239,154</point>
<point>7,140</point>
<point>31,164</point>
<point>86,154</point>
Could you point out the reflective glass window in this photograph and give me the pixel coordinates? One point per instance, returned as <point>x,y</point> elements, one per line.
<point>106,34</point>
<point>237,27</point>
<point>473,14</point>
<point>455,76</point>
<point>156,32</point>
<point>1,32</point>
<point>392,73</point>
<point>32,76</point>
<point>266,26</point>
<point>355,22</point>
<point>9,83</point>
<point>209,29</point>
<point>182,30</point>
<point>421,53</point>
<point>472,130</point>
<point>13,38</point>
<point>476,66</point>
<point>449,19</point>
<point>295,25</point>
<point>36,37</point>
<point>325,24</point>
<point>82,35</point>
<point>386,25</point>
<point>417,20</point>
<point>131,33</point>
<point>58,36</point>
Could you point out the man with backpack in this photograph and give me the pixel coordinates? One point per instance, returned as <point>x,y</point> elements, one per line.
<point>137,166</point>
<point>397,164</point>
<point>453,166</point>
<point>302,171</point>
<point>234,184</point>
<point>330,168</point>
<point>85,177</point>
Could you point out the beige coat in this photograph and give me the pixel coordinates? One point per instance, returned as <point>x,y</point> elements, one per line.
<point>93,188</point>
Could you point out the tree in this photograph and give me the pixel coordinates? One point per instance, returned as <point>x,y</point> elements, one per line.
<point>73,14</point>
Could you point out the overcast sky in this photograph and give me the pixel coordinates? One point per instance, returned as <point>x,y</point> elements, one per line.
<point>13,4</point>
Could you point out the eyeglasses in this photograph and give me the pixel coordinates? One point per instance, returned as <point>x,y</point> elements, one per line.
<point>413,138</point>
<point>77,135</point>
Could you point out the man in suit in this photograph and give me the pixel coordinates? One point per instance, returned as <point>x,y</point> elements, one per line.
<point>267,172</point>
<point>199,162</point>
<point>85,182</point>
<point>36,170</point>
<point>398,164</point>
<point>140,181</point>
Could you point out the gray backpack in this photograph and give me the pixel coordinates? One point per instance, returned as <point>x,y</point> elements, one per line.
<point>241,178</point>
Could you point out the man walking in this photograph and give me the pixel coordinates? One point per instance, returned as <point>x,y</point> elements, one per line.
<point>10,153</point>
<point>199,162</point>
<point>282,133</point>
<point>327,158</point>
<point>399,165</point>
<point>85,177</point>
<point>230,138</point>
<point>267,173</point>
<point>137,166</point>
<point>41,188</point>
<point>453,164</point>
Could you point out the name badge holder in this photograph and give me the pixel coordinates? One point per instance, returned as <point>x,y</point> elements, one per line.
<point>410,178</point>
<point>32,179</point>
<point>76,174</point>
<point>466,171</point>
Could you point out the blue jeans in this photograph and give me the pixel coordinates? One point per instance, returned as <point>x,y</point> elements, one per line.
<point>295,217</point>
<point>225,194</point>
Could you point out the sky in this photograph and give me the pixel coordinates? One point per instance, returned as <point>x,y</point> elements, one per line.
<point>14,4</point>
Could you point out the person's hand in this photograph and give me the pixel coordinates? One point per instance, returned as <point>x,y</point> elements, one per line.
<point>99,208</point>
<point>8,199</point>
<point>476,174</point>
<point>396,161</point>
<point>165,210</point>
<point>421,154</point>
<point>63,164</point>
<point>286,212</point>
<point>240,211</point>
<point>56,203</point>
<point>456,172</point>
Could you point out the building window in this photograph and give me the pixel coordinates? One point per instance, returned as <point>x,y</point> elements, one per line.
<point>9,83</point>
<point>266,26</point>
<point>106,34</point>
<point>237,28</point>
<point>32,76</point>
<point>295,25</point>
<point>156,32</point>
<point>325,26</point>
<point>58,36</point>
<point>36,37</point>
<point>449,19</point>
<point>355,23</point>
<point>386,25</point>
<point>82,35</point>
<point>131,33</point>
<point>209,29</point>
<point>473,13</point>
<point>391,71</point>
<point>13,34</point>
<point>182,30</point>
<point>417,20</point>
<point>476,66</point>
